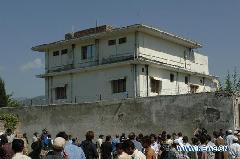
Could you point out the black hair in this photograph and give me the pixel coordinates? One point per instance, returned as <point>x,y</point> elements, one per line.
<point>185,139</point>
<point>168,136</point>
<point>147,140</point>
<point>63,135</point>
<point>209,138</point>
<point>179,134</point>
<point>131,136</point>
<point>127,144</point>
<point>108,137</point>
<point>17,145</point>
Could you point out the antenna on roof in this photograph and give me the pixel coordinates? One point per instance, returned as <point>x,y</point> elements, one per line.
<point>96,23</point>
<point>72,28</point>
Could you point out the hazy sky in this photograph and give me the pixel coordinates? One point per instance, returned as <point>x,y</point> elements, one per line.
<point>26,23</point>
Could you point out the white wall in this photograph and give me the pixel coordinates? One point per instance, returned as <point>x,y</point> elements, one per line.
<point>172,54</point>
<point>106,51</point>
<point>168,87</point>
<point>88,86</point>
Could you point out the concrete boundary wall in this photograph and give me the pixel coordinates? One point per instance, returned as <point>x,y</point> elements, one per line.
<point>147,115</point>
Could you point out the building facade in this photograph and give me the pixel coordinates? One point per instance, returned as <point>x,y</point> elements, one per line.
<point>106,63</point>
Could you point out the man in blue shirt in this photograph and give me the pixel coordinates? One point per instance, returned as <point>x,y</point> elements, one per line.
<point>137,144</point>
<point>72,151</point>
<point>115,141</point>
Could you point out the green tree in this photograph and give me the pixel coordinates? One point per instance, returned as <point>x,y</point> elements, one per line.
<point>12,102</point>
<point>234,80</point>
<point>3,96</point>
<point>228,83</point>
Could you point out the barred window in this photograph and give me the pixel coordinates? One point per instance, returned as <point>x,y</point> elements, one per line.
<point>119,85</point>
<point>61,92</point>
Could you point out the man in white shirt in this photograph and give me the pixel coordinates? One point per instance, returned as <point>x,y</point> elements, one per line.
<point>18,146</point>
<point>179,139</point>
<point>154,145</point>
<point>234,149</point>
<point>230,137</point>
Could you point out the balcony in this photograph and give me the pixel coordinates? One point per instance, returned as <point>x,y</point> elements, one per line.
<point>60,68</point>
<point>118,58</point>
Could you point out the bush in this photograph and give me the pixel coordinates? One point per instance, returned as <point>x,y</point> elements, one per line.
<point>10,120</point>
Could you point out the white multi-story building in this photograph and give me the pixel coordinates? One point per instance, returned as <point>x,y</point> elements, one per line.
<point>106,63</point>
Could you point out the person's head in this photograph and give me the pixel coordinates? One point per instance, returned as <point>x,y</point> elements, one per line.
<point>89,135</point>
<point>168,136</point>
<point>36,146</point>
<point>17,145</point>
<point>24,135</point>
<point>179,134</point>
<point>209,138</point>
<point>185,139</point>
<point>140,136</point>
<point>164,132</point>
<point>131,136</point>
<point>195,141</point>
<point>146,141</point>
<point>203,140</point>
<point>153,138</point>
<point>74,140</point>
<point>3,140</point>
<point>108,138</point>
<point>229,132</point>
<point>235,140</point>
<point>117,136</point>
<point>215,134</point>
<point>101,136</point>
<point>58,144</point>
<point>9,132</point>
<point>44,131</point>
<point>35,134</point>
<point>63,135</point>
<point>69,137</point>
<point>129,147</point>
<point>119,148</point>
<point>174,136</point>
<point>123,135</point>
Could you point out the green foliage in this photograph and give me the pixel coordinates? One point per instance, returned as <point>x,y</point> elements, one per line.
<point>3,96</point>
<point>10,120</point>
<point>228,83</point>
<point>231,83</point>
<point>6,100</point>
<point>11,102</point>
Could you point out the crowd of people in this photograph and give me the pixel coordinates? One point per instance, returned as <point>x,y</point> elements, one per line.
<point>131,146</point>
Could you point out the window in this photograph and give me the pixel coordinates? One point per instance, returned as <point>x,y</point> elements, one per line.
<point>155,85</point>
<point>55,53</point>
<point>119,85</point>
<point>84,52</point>
<point>193,88</point>
<point>61,92</point>
<point>171,77</point>
<point>142,69</point>
<point>88,52</point>
<point>186,79</point>
<point>65,51</point>
<point>122,40</point>
<point>111,42</point>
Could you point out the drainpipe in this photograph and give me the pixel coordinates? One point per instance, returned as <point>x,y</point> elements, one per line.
<point>71,79</point>
<point>73,55</point>
<point>177,83</point>
<point>146,66</point>
<point>136,44</point>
